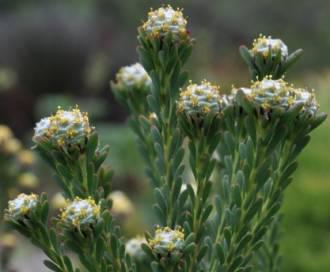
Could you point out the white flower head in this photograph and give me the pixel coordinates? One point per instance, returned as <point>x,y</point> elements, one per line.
<point>166,20</point>
<point>81,212</point>
<point>64,128</point>
<point>269,94</point>
<point>267,46</point>
<point>308,99</point>
<point>133,76</point>
<point>41,129</point>
<point>22,205</point>
<point>200,99</point>
<point>167,240</point>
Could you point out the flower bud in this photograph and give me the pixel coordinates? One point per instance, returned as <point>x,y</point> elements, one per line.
<point>5,133</point>
<point>8,143</point>
<point>22,206</point>
<point>131,87</point>
<point>166,20</point>
<point>200,100</point>
<point>26,157</point>
<point>58,201</point>
<point>80,213</point>
<point>152,117</point>
<point>12,146</point>
<point>121,204</point>
<point>64,129</point>
<point>8,241</point>
<point>133,76</point>
<point>133,247</point>
<point>266,46</point>
<point>167,241</point>
<point>28,180</point>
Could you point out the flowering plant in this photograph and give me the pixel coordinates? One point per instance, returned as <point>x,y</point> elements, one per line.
<point>16,175</point>
<point>242,148</point>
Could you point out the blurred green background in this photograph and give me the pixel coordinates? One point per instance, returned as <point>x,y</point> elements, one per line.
<point>65,52</point>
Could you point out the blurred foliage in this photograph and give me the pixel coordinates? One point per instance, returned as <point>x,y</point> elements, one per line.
<point>306,230</point>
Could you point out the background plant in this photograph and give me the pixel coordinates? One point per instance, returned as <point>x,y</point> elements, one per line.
<point>16,174</point>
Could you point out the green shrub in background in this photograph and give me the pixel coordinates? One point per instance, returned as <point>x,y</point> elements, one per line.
<point>307,222</point>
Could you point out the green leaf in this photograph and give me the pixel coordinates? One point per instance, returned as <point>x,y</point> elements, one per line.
<point>206,213</point>
<point>52,266</point>
<point>253,210</point>
<point>189,248</point>
<point>319,119</point>
<point>263,172</point>
<point>161,214</point>
<point>92,146</point>
<point>161,200</point>
<point>156,267</point>
<point>156,136</point>
<point>153,104</point>
<point>288,172</point>
<point>242,244</point>
<point>246,55</point>
<point>292,59</point>
<point>68,264</point>
<point>220,253</point>
<point>244,102</point>
<point>250,125</point>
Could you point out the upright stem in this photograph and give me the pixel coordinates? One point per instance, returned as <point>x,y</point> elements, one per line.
<point>163,59</point>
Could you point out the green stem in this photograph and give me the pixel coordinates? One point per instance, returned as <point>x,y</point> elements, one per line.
<point>202,162</point>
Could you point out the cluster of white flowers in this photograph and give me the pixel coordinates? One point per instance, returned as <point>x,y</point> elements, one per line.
<point>267,46</point>
<point>64,128</point>
<point>167,240</point>
<point>22,205</point>
<point>269,93</point>
<point>166,20</point>
<point>80,212</point>
<point>132,76</point>
<point>200,99</point>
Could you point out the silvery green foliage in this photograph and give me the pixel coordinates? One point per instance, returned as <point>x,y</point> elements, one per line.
<point>242,151</point>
